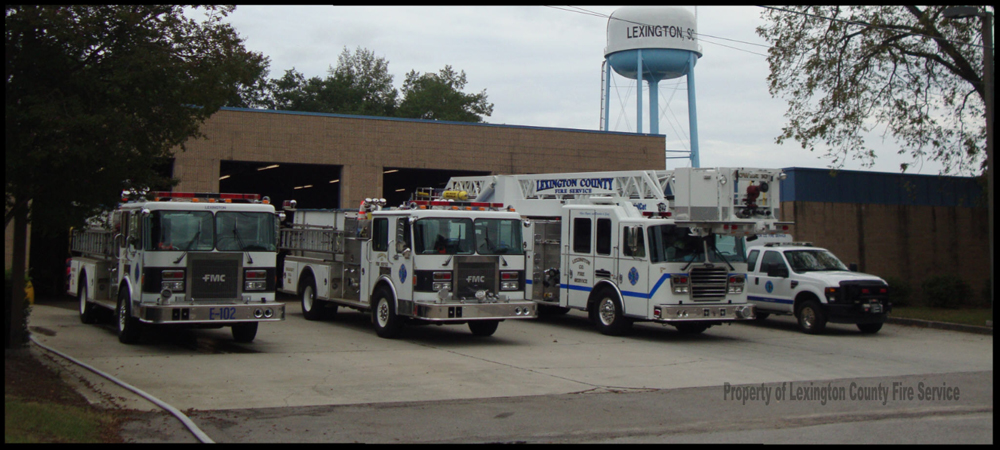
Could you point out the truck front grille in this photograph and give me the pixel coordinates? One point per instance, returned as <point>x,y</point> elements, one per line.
<point>475,274</point>
<point>215,279</point>
<point>708,283</point>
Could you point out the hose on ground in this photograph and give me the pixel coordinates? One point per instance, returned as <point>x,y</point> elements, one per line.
<point>176,413</point>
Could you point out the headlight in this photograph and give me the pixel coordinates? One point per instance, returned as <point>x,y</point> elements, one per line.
<point>255,280</point>
<point>508,285</point>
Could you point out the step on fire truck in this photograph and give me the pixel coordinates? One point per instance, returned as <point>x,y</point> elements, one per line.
<point>660,246</point>
<point>441,262</point>
<point>179,259</point>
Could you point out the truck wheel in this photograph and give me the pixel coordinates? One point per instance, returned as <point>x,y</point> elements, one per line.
<point>691,328</point>
<point>484,327</point>
<point>245,332</point>
<point>869,328</point>
<point>87,313</point>
<point>761,316</point>
<point>812,320</point>
<point>312,309</point>
<point>128,326</point>
<point>387,324</point>
<point>610,320</point>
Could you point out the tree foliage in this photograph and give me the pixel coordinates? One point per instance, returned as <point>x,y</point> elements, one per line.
<point>361,84</point>
<point>850,70</point>
<point>440,97</point>
<point>97,96</point>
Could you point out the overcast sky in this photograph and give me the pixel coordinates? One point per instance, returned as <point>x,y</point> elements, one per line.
<point>541,66</point>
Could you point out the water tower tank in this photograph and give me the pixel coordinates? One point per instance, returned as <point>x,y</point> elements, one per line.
<point>667,37</point>
<point>663,41</point>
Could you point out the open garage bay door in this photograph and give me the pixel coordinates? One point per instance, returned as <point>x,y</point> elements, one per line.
<point>310,185</point>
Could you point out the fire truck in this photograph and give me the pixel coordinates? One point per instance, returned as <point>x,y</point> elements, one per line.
<point>662,246</point>
<point>179,259</point>
<point>440,262</point>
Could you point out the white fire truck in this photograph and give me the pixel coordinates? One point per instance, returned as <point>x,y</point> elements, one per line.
<point>662,246</point>
<point>440,262</point>
<point>197,260</point>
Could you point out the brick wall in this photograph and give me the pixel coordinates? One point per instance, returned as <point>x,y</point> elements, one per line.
<point>363,146</point>
<point>906,242</point>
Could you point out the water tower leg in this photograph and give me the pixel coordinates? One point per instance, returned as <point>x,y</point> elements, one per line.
<point>693,113</point>
<point>654,106</point>
<point>638,91</point>
<point>607,94</point>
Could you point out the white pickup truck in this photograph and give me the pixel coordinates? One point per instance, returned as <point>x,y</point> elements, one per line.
<point>813,285</point>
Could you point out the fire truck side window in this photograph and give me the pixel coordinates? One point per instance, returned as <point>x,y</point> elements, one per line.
<point>380,235</point>
<point>581,235</point>
<point>603,236</point>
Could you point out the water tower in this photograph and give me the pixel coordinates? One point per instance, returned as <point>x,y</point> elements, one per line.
<point>663,42</point>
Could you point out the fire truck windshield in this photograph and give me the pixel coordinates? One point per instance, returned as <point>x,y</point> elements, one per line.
<point>245,231</point>
<point>201,231</point>
<point>498,237</point>
<point>181,230</point>
<point>669,243</point>
<point>454,236</point>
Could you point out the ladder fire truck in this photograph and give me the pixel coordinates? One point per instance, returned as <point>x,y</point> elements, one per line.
<point>191,259</point>
<point>662,246</point>
<point>441,262</point>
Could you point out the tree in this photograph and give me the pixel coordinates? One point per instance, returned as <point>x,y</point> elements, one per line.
<point>369,81</point>
<point>847,70</point>
<point>440,97</point>
<point>97,96</point>
<point>360,84</point>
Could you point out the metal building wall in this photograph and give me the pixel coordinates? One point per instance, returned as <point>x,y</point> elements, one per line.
<point>908,227</point>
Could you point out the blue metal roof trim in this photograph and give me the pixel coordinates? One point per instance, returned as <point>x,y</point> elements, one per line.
<point>851,186</point>
<point>398,119</point>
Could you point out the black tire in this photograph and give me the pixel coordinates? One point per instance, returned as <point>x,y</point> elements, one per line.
<point>812,319</point>
<point>88,314</point>
<point>387,324</point>
<point>484,327</point>
<point>551,310</point>
<point>312,309</point>
<point>761,316</point>
<point>129,328</point>
<point>608,314</point>
<point>245,332</point>
<point>869,328</point>
<point>691,328</point>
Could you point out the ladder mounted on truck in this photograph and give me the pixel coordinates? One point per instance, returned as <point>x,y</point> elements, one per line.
<point>743,200</point>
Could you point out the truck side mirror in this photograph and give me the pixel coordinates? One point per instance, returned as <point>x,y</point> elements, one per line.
<point>633,239</point>
<point>776,270</point>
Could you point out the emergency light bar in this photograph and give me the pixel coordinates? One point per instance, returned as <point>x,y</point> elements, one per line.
<point>209,197</point>
<point>425,204</point>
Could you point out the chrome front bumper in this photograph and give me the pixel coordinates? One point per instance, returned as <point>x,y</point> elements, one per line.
<point>698,313</point>
<point>181,313</point>
<point>463,312</point>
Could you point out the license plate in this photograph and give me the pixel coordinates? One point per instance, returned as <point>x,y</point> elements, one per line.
<point>876,308</point>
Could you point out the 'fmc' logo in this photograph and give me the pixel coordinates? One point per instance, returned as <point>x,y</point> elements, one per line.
<point>212,278</point>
